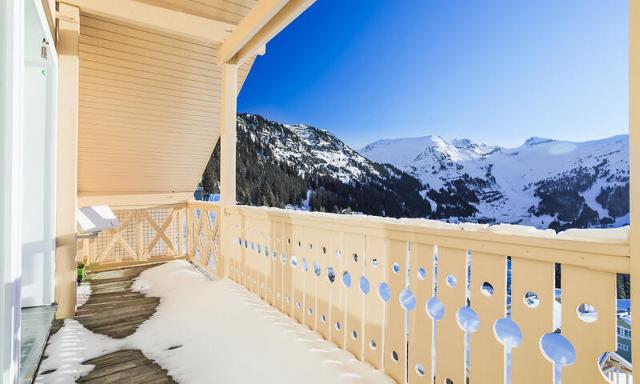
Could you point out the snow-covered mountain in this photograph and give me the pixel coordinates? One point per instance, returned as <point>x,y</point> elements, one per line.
<point>308,168</point>
<point>544,182</point>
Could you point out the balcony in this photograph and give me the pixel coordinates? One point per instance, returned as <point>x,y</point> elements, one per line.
<point>138,94</point>
<point>407,299</point>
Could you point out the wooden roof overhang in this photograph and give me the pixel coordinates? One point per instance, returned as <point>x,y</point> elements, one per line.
<point>150,89</point>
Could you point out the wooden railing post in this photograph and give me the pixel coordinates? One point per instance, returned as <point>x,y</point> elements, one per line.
<point>139,234</point>
<point>180,216</point>
<point>634,170</point>
<point>189,232</point>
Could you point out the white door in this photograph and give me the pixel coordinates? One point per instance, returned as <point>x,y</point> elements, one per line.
<point>38,163</point>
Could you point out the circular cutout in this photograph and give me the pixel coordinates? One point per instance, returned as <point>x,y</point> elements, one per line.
<point>283,258</point>
<point>273,255</point>
<point>384,291</point>
<point>531,299</point>
<point>374,262</point>
<point>435,308</point>
<point>407,299</point>
<point>288,299</point>
<point>487,289</point>
<point>316,269</point>
<point>468,319</point>
<point>420,369</point>
<point>364,285</point>
<point>394,356</point>
<point>239,241</point>
<point>338,326</point>
<point>422,273</point>
<point>331,274</point>
<point>346,279</point>
<point>451,281</point>
<point>507,332</point>
<point>395,267</point>
<point>293,261</point>
<point>587,313</point>
<point>305,265</point>
<point>354,334</point>
<point>372,344</point>
<point>246,243</point>
<point>252,245</point>
<point>310,311</point>
<point>338,253</point>
<point>323,318</point>
<point>557,349</point>
<point>355,257</point>
<point>259,248</point>
<point>324,250</point>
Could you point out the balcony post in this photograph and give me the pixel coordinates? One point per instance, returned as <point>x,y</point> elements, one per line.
<point>227,156</point>
<point>67,159</point>
<point>634,172</point>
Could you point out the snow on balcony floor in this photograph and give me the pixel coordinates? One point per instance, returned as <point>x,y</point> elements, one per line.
<point>225,333</point>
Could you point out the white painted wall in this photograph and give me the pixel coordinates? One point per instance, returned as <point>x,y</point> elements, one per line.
<point>11,70</point>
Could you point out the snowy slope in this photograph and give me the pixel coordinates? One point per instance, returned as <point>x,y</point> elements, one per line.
<point>541,182</point>
<point>313,150</point>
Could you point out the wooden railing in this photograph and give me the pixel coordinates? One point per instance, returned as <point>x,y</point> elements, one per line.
<point>145,235</point>
<point>203,234</point>
<point>420,300</point>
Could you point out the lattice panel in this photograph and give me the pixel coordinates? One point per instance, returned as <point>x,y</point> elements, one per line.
<point>144,234</point>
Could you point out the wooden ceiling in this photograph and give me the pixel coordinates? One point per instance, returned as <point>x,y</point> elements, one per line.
<point>150,85</point>
<point>229,11</point>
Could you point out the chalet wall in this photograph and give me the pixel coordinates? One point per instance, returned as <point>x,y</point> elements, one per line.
<point>149,109</point>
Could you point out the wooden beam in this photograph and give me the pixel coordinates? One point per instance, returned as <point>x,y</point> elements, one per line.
<point>228,134</point>
<point>227,158</point>
<point>137,200</point>
<point>250,25</point>
<point>67,159</point>
<point>158,18</point>
<point>634,168</point>
<point>265,20</point>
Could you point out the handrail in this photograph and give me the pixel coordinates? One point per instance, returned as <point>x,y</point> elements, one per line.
<point>600,254</point>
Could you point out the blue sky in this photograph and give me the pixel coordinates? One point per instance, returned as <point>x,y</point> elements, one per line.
<point>494,71</point>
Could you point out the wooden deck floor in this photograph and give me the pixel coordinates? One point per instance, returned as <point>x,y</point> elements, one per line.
<point>116,311</point>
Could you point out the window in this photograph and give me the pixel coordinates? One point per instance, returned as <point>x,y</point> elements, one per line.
<point>623,347</point>
<point>624,332</point>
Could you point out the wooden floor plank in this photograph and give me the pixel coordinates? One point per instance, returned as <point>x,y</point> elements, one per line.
<point>114,310</point>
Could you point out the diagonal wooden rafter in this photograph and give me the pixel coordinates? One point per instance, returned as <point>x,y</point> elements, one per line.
<point>263,22</point>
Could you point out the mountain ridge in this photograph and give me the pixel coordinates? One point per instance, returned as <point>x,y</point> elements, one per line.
<point>516,185</point>
<point>545,183</point>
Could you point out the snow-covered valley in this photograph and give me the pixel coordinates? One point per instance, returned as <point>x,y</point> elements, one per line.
<point>543,182</point>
